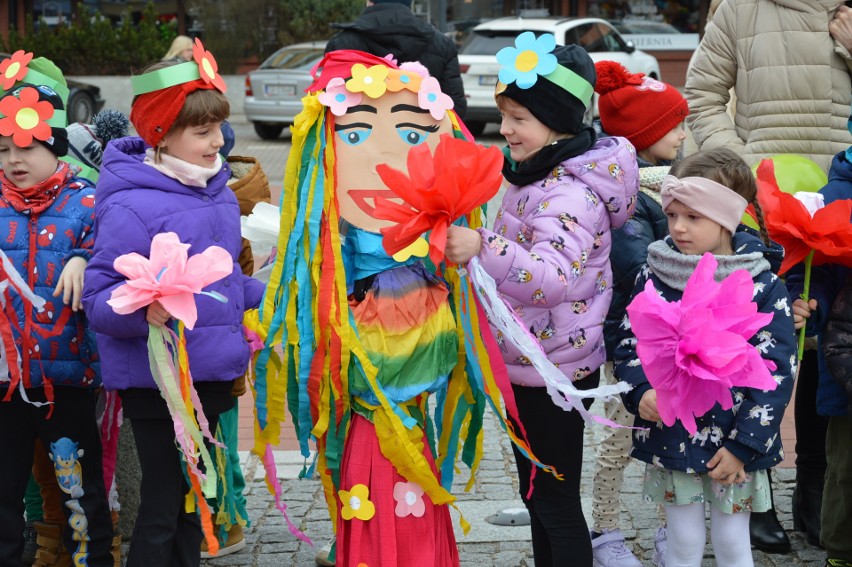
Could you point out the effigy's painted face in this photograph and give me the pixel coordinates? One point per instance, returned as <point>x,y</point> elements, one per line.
<point>377,131</point>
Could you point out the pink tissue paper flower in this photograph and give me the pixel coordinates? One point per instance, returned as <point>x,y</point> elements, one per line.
<point>169,276</point>
<point>693,351</point>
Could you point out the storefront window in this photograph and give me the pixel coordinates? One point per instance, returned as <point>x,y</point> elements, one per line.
<point>682,15</point>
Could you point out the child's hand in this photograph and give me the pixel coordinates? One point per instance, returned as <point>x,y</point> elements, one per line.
<point>70,283</point>
<point>726,468</point>
<point>801,311</point>
<point>157,314</point>
<point>648,406</point>
<point>462,244</point>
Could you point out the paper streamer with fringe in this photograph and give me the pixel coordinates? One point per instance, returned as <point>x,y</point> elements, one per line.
<point>561,390</point>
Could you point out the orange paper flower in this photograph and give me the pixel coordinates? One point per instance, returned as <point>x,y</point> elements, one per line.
<point>14,69</point>
<point>24,117</point>
<point>207,66</point>
<point>437,190</point>
<point>789,223</point>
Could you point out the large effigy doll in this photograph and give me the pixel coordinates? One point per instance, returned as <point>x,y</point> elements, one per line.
<point>367,337</point>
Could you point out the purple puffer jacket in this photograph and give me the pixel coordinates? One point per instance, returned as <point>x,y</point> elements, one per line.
<point>549,254</point>
<point>134,202</point>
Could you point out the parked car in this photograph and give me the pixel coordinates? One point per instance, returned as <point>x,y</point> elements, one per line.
<point>274,90</point>
<point>479,66</point>
<point>84,100</point>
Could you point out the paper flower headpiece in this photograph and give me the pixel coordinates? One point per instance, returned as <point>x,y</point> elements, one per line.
<point>25,118</point>
<point>20,67</point>
<point>363,79</point>
<point>532,59</point>
<point>161,93</point>
<point>202,67</point>
<point>14,69</point>
<point>693,351</point>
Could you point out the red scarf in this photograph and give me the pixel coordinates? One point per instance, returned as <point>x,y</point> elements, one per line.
<point>35,199</point>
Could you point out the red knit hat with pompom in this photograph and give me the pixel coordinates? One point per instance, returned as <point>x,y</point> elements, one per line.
<point>637,107</point>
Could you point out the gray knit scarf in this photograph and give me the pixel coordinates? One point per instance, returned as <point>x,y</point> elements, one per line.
<point>674,268</point>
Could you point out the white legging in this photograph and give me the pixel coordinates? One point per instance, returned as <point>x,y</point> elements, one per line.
<point>686,534</point>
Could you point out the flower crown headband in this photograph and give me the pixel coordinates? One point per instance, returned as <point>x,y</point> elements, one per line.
<point>203,66</point>
<point>16,69</point>
<point>374,81</point>
<point>161,94</point>
<point>532,57</point>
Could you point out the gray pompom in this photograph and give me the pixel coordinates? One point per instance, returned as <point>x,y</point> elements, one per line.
<point>110,125</point>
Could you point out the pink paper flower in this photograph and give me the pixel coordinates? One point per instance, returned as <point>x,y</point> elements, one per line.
<point>169,276</point>
<point>337,98</point>
<point>409,500</point>
<point>432,99</point>
<point>693,351</point>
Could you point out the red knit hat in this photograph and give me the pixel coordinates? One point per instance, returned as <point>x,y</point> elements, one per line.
<point>634,106</point>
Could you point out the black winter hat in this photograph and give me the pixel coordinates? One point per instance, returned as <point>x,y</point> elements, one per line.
<point>550,102</point>
<point>58,141</point>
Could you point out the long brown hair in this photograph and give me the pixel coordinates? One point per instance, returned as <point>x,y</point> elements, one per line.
<point>728,168</point>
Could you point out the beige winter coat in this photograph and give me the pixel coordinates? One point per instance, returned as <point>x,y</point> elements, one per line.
<point>791,80</point>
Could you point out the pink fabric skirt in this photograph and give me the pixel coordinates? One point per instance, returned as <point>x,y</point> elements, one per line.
<point>387,539</point>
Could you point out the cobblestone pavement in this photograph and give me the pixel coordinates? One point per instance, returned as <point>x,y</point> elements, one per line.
<point>271,544</point>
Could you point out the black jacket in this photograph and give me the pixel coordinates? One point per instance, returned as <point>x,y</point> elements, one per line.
<point>393,28</point>
<point>837,344</point>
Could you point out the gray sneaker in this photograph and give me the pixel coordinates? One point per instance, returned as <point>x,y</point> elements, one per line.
<point>610,550</point>
<point>660,547</point>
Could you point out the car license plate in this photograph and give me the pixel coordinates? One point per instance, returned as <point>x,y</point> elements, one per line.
<point>488,80</point>
<point>279,90</point>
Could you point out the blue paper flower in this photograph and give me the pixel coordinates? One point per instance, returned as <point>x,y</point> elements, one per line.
<point>530,58</point>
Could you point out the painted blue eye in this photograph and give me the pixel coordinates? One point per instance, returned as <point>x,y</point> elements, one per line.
<point>355,136</point>
<point>412,137</point>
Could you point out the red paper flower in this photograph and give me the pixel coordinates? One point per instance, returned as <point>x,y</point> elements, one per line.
<point>438,190</point>
<point>14,69</point>
<point>828,233</point>
<point>207,66</point>
<point>25,118</point>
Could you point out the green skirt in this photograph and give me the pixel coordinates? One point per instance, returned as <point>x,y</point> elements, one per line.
<point>676,488</point>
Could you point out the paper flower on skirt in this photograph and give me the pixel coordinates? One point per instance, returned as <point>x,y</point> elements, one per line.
<point>800,226</point>
<point>356,503</point>
<point>409,499</point>
<point>693,351</point>
<point>169,276</point>
<point>437,190</point>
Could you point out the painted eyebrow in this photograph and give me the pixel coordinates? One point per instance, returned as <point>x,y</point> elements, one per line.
<point>362,108</point>
<point>341,127</point>
<point>409,108</point>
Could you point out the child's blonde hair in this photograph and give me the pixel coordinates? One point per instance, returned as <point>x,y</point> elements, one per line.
<point>179,44</point>
<point>728,168</point>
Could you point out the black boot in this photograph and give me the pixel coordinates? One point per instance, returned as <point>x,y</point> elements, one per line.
<point>807,507</point>
<point>766,531</point>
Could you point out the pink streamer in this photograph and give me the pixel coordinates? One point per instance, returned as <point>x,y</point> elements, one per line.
<point>272,479</point>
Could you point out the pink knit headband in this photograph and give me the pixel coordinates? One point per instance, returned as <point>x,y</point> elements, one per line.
<point>711,199</point>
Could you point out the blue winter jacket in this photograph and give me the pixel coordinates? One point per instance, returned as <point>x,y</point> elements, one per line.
<point>54,342</point>
<point>136,202</point>
<point>750,430</point>
<point>826,283</point>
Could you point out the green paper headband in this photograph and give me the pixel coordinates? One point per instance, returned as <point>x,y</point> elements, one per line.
<point>165,78</point>
<point>37,78</point>
<point>573,83</point>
